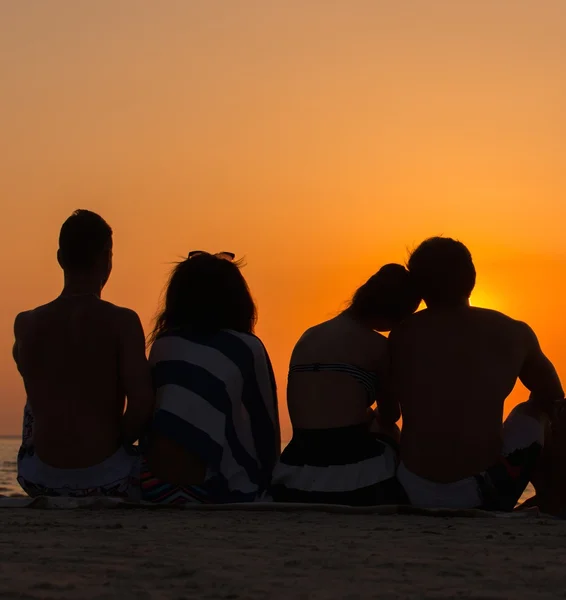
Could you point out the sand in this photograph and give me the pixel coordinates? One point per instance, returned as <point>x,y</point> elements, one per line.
<point>141,554</point>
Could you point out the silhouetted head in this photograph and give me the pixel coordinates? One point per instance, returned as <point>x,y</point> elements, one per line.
<point>443,271</point>
<point>85,246</point>
<point>205,294</point>
<point>386,298</point>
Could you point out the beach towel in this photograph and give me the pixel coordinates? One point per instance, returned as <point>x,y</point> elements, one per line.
<point>216,397</point>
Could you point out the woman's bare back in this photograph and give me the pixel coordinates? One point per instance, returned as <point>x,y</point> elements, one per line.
<point>325,399</point>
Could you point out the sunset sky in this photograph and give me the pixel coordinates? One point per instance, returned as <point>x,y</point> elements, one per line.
<point>319,138</point>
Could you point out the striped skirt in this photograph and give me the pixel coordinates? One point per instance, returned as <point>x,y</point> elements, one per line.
<point>343,465</point>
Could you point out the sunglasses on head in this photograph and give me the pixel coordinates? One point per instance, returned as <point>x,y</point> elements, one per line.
<point>224,255</point>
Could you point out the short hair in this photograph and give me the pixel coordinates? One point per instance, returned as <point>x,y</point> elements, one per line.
<point>83,239</point>
<point>205,294</point>
<point>390,294</point>
<point>443,271</point>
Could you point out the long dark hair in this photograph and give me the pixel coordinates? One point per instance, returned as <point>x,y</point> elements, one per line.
<point>206,293</point>
<point>390,294</point>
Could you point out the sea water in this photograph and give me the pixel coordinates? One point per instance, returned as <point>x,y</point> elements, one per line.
<point>9,447</point>
<point>9,451</point>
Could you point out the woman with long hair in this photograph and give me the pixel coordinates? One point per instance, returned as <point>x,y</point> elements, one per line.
<point>215,433</point>
<point>342,450</point>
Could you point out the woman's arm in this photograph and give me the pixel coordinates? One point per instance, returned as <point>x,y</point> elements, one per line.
<point>389,407</point>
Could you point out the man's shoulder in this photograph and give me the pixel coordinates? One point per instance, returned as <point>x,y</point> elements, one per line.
<point>29,313</point>
<point>20,322</point>
<point>409,325</point>
<point>22,317</point>
<point>123,321</point>
<point>486,318</point>
<point>25,317</point>
<point>498,319</point>
<point>119,312</point>
<point>489,313</point>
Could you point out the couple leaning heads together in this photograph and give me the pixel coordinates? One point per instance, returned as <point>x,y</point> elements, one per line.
<point>203,407</point>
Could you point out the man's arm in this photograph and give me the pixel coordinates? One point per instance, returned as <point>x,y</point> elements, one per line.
<point>17,335</point>
<point>539,376</point>
<point>135,375</point>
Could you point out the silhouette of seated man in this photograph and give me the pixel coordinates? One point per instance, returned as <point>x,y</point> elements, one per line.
<point>453,366</point>
<point>80,358</point>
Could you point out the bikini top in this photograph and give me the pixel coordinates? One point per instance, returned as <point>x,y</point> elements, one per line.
<point>368,379</point>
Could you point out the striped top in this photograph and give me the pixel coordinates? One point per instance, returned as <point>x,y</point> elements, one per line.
<point>368,379</point>
<point>216,397</point>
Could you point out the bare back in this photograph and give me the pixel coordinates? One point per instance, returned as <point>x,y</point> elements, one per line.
<point>70,355</point>
<point>318,400</point>
<point>452,371</point>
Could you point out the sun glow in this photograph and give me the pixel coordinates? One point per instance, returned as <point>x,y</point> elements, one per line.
<point>278,130</point>
<point>486,298</point>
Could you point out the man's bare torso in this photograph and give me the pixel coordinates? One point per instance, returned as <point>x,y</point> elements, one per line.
<point>452,371</point>
<point>67,352</point>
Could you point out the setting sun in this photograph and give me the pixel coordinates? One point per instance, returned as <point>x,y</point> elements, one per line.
<point>318,157</point>
<point>483,298</point>
<point>303,144</point>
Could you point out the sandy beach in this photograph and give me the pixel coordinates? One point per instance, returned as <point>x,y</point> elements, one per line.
<point>99,554</point>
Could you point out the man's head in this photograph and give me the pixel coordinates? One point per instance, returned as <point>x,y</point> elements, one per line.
<point>443,271</point>
<point>85,246</point>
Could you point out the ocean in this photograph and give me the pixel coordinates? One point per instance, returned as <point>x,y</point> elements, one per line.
<point>8,453</point>
<point>9,486</point>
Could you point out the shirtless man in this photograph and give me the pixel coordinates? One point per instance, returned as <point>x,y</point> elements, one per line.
<point>80,357</point>
<point>453,366</point>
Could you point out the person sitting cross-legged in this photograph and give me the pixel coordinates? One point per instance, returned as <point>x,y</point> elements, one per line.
<point>80,359</point>
<point>453,366</point>
<point>215,434</point>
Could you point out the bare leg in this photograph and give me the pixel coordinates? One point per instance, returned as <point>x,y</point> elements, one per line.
<point>523,442</point>
<point>517,429</point>
<point>530,410</point>
<point>549,479</point>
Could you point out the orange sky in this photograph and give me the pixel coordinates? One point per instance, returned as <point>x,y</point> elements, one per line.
<point>318,138</point>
